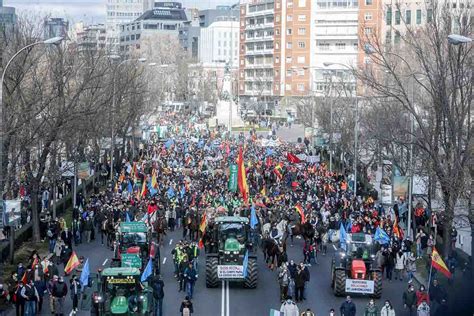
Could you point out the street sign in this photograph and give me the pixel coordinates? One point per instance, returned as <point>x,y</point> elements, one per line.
<point>230,272</point>
<point>131,261</point>
<point>359,286</point>
<point>133,227</point>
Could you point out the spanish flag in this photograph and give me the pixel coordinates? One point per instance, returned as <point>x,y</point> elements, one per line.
<point>134,173</point>
<point>278,171</point>
<point>72,263</point>
<point>438,263</point>
<point>122,176</point>
<point>202,226</point>
<point>242,177</point>
<point>35,262</point>
<point>201,243</point>
<point>154,182</point>
<point>299,209</point>
<point>397,230</point>
<point>24,279</point>
<point>144,189</point>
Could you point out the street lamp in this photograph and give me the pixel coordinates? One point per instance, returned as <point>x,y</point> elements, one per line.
<point>356,125</point>
<point>50,41</point>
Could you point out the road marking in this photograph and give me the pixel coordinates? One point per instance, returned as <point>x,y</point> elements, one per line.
<point>171,241</point>
<point>227,304</point>
<point>334,247</point>
<point>105,261</point>
<point>223,299</point>
<point>164,260</point>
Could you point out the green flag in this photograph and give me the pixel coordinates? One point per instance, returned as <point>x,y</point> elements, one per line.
<point>233,178</point>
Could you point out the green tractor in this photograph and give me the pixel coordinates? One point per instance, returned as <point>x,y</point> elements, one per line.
<point>132,245</point>
<point>120,292</point>
<point>354,269</point>
<point>233,251</point>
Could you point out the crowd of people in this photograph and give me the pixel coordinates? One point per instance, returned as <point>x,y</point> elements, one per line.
<point>175,182</point>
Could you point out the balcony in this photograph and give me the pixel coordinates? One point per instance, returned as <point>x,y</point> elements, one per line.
<point>259,39</point>
<point>266,51</point>
<point>259,26</point>
<point>268,11</point>
<point>258,66</point>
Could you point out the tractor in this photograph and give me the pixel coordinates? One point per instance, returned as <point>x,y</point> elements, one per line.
<point>232,253</point>
<point>119,292</point>
<point>354,269</point>
<point>132,245</point>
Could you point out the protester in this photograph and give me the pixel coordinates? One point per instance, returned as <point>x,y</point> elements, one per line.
<point>186,308</point>
<point>410,299</point>
<point>348,307</point>
<point>387,309</point>
<point>158,294</point>
<point>289,308</point>
<point>371,309</point>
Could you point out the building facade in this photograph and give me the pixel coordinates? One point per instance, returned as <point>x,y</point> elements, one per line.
<point>7,17</point>
<point>219,43</point>
<point>119,12</point>
<point>56,27</point>
<point>92,37</point>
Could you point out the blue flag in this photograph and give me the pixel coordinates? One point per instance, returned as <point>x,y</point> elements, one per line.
<point>381,236</point>
<point>349,226</point>
<point>147,272</point>
<point>129,187</point>
<point>168,143</point>
<point>183,191</point>
<point>269,152</point>
<point>245,264</point>
<point>253,218</point>
<point>170,193</point>
<point>127,217</point>
<point>342,236</point>
<point>144,218</point>
<point>153,191</point>
<point>84,279</point>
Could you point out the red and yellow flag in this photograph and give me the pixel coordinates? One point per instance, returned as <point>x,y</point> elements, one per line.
<point>439,264</point>
<point>154,182</point>
<point>202,226</point>
<point>397,230</point>
<point>278,170</point>
<point>35,262</point>
<point>24,279</point>
<point>144,188</point>
<point>299,209</point>
<point>263,192</point>
<point>242,177</point>
<point>72,263</point>
<point>122,176</point>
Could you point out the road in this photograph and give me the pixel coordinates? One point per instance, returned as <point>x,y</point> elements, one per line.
<point>234,300</point>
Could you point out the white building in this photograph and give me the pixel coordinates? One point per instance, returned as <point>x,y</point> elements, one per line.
<point>219,42</point>
<point>119,12</point>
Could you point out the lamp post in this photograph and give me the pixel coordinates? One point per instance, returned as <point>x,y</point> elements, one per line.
<point>356,124</point>
<point>50,41</point>
<point>112,139</point>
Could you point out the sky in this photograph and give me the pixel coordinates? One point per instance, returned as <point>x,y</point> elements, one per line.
<point>88,11</point>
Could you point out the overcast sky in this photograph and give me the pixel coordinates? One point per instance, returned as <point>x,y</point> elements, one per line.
<point>89,11</point>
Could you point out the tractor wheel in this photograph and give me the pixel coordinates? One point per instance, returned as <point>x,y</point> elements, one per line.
<point>339,282</point>
<point>377,278</point>
<point>252,274</point>
<point>211,272</point>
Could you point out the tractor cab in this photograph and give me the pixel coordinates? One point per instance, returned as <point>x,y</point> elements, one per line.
<point>133,242</point>
<point>360,246</point>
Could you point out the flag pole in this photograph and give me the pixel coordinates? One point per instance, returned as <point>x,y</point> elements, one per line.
<point>429,276</point>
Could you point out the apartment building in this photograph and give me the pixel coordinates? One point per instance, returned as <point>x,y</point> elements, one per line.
<point>119,12</point>
<point>219,42</point>
<point>91,37</point>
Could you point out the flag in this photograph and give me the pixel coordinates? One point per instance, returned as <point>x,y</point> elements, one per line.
<point>35,262</point>
<point>170,193</point>
<point>154,182</point>
<point>144,188</point>
<point>201,243</point>
<point>439,264</point>
<point>127,218</point>
<point>342,236</point>
<point>299,209</point>
<point>24,279</point>
<point>147,272</point>
<point>278,171</point>
<point>183,191</point>
<point>72,263</point>
<point>381,236</point>
<point>134,173</point>
<point>242,177</point>
<point>85,274</point>
<point>202,226</point>
<point>129,187</point>
<point>245,263</point>
<point>122,176</point>
<point>292,158</point>
<point>397,230</point>
<point>264,191</point>
<point>253,218</point>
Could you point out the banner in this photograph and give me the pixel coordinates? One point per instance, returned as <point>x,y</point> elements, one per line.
<point>83,170</point>
<point>400,187</point>
<point>386,183</point>
<point>11,212</point>
<point>233,178</point>
<point>230,272</point>
<point>359,286</point>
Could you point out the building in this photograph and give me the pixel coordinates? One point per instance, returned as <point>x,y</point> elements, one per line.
<point>7,17</point>
<point>56,27</point>
<point>92,37</point>
<point>161,21</point>
<point>189,35</point>
<point>219,43</point>
<point>120,12</point>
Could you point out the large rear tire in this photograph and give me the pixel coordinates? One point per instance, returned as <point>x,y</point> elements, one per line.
<point>377,278</point>
<point>252,274</point>
<point>211,272</point>
<point>339,282</point>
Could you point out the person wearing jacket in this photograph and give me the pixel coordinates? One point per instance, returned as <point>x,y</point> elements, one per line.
<point>284,280</point>
<point>190,276</point>
<point>59,293</point>
<point>410,265</point>
<point>348,308</point>
<point>422,296</point>
<point>423,309</point>
<point>30,296</point>
<point>186,307</point>
<point>387,309</point>
<point>409,299</point>
<point>371,309</point>
<point>75,288</point>
<point>399,265</point>
<point>300,279</point>
<point>289,308</point>
<point>307,312</point>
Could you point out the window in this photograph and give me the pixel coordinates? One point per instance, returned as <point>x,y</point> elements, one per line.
<point>388,16</point>
<point>277,60</point>
<point>368,30</point>
<point>323,46</point>
<point>277,45</point>
<point>300,86</point>
<point>277,18</point>
<point>301,45</point>
<point>340,46</point>
<point>289,18</point>
<point>429,15</point>
<point>288,32</point>
<point>301,72</point>
<point>368,17</point>
<point>397,37</point>
<point>418,16</point>
<point>277,32</point>
<point>397,17</point>
<point>288,87</point>
<point>290,4</point>
<point>301,59</point>
<point>288,73</point>
<point>301,31</point>
<point>388,37</point>
<point>302,3</point>
<point>368,2</point>
<point>289,45</point>
<point>302,18</point>
<point>288,59</point>
<point>408,17</point>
